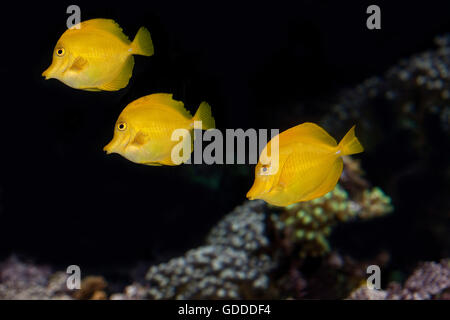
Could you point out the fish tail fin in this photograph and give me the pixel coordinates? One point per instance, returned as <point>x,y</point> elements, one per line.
<point>350,144</point>
<point>204,115</point>
<point>142,43</point>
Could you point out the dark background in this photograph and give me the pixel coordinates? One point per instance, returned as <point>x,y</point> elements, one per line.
<point>63,201</point>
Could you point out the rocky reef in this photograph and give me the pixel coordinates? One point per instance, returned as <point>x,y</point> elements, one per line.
<point>232,264</point>
<point>26,281</point>
<point>257,251</point>
<point>414,94</point>
<point>431,280</point>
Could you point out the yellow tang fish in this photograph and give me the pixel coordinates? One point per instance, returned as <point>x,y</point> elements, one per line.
<point>143,131</point>
<point>309,165</point>
<point>95,55</point>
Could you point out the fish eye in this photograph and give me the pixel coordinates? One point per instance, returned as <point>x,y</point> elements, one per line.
<point>122,126</point>
<point>264,170</point>
<point>60,52</point>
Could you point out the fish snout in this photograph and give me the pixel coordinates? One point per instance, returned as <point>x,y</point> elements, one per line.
<point>108,148</point>
<point>46,73</point>
<point>112,147</point>
<point>252,193</point>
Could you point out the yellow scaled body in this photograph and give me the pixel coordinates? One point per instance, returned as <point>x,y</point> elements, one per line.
<point>95,55</point>
<point>143,131</point>
<point>309,165</point>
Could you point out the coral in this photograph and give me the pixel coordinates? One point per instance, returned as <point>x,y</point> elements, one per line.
<point>231,265</point>
<point>91,288</point>
<point>25,281</point>
<point>242,253</point>
<point>364,293</point>
<point>307,225</point>
<point>134,291</point>
<point>416,89</point>
<point>352,178</point>
<point>431,280</point>
<point>337,275</point>
<point>403,120</point>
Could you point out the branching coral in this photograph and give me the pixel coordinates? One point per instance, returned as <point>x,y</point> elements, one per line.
<point>307,225</point>
<point>231,265</point>
<point>92,288</point>
<point>416,90</point>
<point>242,252</point>
<point>429,281</point>
<point>337,275</point>
<point>25,281</point>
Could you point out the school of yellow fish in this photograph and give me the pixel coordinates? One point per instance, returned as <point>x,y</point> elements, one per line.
<point>96,55</point>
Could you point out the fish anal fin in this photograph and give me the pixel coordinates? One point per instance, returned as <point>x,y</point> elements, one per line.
<point>155,164</point>
<point>122,79</point>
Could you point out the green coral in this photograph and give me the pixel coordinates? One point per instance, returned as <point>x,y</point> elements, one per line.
<point>308,224</point>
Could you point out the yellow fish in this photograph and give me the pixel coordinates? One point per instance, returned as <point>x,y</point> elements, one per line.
<point>309,165</point>
<point>95,55</point>
<point>143,131</point>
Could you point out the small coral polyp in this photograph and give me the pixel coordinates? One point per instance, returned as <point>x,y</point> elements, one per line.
<point>309,224</point>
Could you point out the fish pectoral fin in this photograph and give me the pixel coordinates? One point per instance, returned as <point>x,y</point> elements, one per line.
<point>79,64</point>
<point>140,139</point>
<point>121,80</point>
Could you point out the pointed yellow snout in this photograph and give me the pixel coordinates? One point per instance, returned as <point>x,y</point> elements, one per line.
<point>108,148</point>
<point>47,73</point>
<point>114,146</point>
<point>255,191</point>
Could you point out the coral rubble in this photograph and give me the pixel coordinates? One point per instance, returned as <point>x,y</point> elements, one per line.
<point>26,281</point>
<point>431,280</point>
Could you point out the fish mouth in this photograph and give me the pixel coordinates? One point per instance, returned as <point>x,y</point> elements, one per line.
<point>113,146</point>
<point>259,189</point>
<point>253,193</point>
<point>45,73</point>
<point>56,69</point>
<point>108,148</point>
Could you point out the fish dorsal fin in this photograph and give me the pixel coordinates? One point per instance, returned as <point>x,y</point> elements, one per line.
<point>166,100</point>
<point>308,133</point>
<point>107,25</point>
<point>121,81</point>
